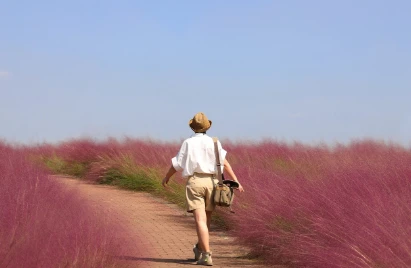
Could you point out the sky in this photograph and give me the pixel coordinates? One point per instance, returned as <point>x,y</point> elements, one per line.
<point>314,71</point>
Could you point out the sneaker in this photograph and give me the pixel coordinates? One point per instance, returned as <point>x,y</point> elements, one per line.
<point>197,252</point>
<point>205,259</point>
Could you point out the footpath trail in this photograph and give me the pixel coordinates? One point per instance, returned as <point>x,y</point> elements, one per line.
<point>163,233</point>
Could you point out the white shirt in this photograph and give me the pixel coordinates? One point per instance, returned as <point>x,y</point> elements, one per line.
<point>197,155</point>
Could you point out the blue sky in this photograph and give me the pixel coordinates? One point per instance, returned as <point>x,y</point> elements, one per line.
<point>309,71</point>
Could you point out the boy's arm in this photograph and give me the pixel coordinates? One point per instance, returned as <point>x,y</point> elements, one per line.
<point>170,173</point>
<point>227,167</point>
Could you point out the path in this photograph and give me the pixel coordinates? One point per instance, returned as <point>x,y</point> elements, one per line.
<point>165,232</point>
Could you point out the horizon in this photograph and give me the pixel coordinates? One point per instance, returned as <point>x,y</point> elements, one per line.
<point>225,141</point>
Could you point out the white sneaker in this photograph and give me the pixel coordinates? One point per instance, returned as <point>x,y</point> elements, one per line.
<point>205,259</point>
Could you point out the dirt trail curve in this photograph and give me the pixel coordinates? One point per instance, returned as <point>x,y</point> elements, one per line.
<point>164,235</point>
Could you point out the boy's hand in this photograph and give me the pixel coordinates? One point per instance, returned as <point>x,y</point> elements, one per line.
<point>240,188</point>
<point>165,181</point>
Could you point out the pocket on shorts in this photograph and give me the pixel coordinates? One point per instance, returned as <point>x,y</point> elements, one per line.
<point>191,182</point>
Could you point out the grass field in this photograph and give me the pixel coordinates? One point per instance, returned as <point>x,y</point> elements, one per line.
<point>42,224</point>
<point>304,206</point>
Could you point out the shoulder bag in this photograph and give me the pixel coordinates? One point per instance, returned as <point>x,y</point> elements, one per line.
<point>224,189</point>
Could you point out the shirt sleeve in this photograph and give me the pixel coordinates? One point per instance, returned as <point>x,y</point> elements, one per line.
<point>179,159</point>
<point>223,154</point>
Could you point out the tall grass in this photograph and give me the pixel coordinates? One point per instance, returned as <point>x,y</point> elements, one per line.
<point>131,164</point>
<point>304,206</point>
<point>42,224</point>
<point>346,207</point>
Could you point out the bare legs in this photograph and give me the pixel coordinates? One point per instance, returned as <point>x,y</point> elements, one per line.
<point>208,213</point>
<point>203,220</point>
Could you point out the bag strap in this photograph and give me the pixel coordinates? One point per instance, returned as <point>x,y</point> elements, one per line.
<point>217,158</point>
<point>219,174</point>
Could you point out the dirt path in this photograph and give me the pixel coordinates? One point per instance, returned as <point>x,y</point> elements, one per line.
<point>164,234</point>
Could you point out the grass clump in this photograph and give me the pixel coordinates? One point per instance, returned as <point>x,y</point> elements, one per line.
<point>58,165</point>
<point>136,181</point>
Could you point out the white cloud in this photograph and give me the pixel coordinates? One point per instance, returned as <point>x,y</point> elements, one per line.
<point>4,74</point>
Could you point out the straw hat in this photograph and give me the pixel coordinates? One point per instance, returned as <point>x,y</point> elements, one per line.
<point>199,123</point>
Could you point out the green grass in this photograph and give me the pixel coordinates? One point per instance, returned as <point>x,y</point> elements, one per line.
<point>133,177</point>
<point>59,166</point>
<point>136,181</point>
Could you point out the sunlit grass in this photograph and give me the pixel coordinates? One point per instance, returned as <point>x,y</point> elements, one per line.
<point>43,224</point>
<point>304,206</point>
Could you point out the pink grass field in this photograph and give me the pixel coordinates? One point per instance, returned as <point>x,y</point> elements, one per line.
<point>346,207</point>
<point>304,206</point>
<point>42,224</point>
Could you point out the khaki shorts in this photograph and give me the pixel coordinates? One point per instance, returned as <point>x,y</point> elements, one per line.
<point>199,192</point>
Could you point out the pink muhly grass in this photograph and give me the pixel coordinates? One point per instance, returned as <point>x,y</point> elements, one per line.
<point>305,206</point>
<point>100,156</point>
<point>146,153</point>
<point>43,224</point>
<point>356,215</point>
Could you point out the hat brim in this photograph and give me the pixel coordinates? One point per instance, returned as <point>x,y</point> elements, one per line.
<point>190,123</point>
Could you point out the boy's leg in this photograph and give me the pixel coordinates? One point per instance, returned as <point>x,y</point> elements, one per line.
<point>201,220</point>
<point>208,213</point>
